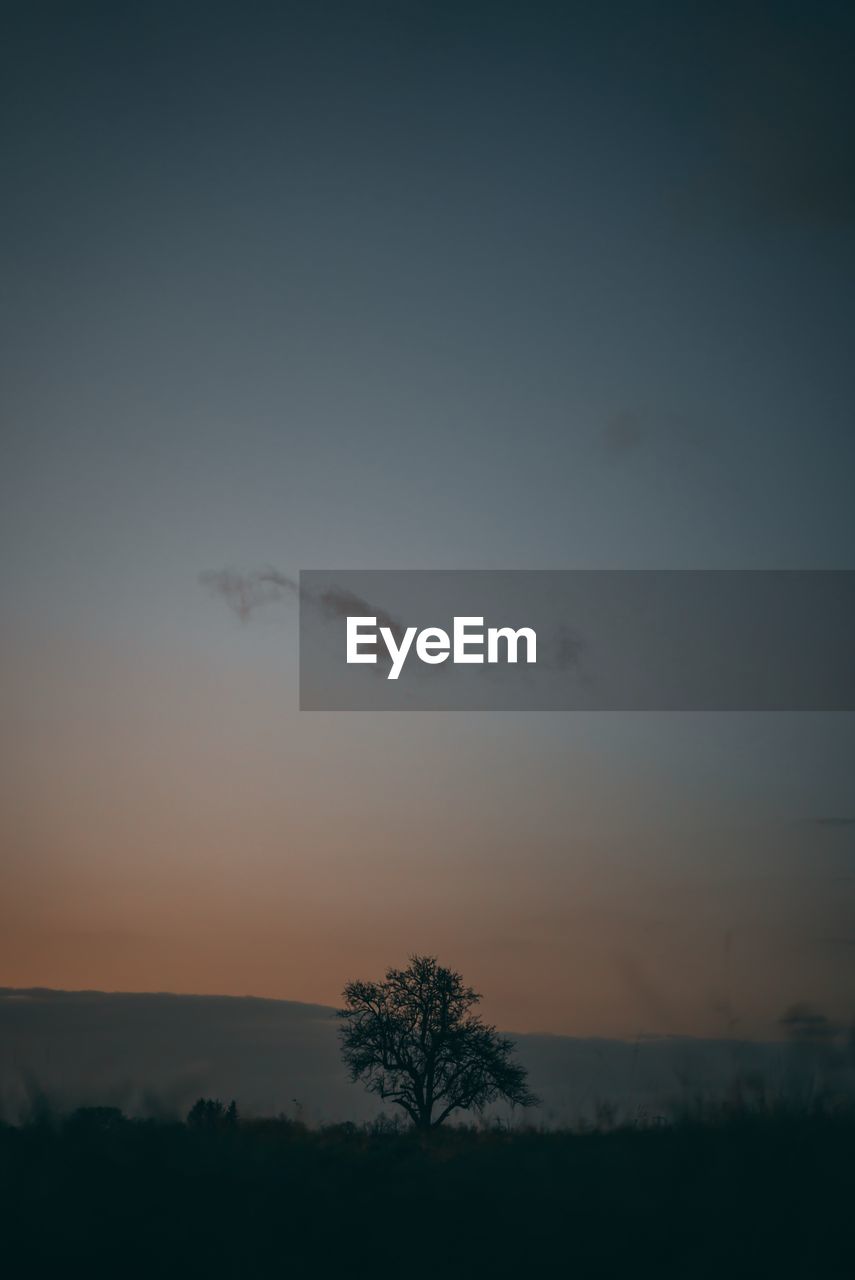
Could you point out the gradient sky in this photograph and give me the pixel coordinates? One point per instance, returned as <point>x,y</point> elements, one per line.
<point>402,284</point>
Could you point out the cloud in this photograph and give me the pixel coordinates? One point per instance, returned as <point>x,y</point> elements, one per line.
<point>333,602</point>
<point>246,592</point>
<point>569,648</point>
<point>834,822</point>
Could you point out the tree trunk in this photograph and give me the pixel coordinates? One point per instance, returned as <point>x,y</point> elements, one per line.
<point>425,1113</point>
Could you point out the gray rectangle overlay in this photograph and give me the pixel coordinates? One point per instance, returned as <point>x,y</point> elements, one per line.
<point>606,640</point>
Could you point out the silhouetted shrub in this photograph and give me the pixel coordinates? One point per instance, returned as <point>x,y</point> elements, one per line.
<point>95,1120</point>
<point>210,1113</point>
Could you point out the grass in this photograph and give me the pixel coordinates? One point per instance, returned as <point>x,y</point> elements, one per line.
<point>723,1191</point>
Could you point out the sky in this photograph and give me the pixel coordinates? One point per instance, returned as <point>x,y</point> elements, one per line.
<point>393,284</point>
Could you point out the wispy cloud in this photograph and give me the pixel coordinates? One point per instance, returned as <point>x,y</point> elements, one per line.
<point>244,593</point>
<point>569,649</point>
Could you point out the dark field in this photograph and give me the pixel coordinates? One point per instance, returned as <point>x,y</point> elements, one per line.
<point>731,1194</point>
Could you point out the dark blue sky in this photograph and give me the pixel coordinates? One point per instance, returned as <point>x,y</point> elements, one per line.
<point>416,285</point>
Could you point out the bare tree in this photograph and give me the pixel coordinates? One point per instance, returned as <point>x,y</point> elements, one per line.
<point>414,1040</point>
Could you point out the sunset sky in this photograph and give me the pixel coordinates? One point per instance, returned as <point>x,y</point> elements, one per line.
<point>414,284</point>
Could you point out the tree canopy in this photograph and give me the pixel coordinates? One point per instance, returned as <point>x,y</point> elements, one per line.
<point>415,1040</point>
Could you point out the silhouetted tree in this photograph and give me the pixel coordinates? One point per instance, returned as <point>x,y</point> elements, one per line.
<point>210,1113</point>
<point>95,1120</point>
<point>414,1040</point>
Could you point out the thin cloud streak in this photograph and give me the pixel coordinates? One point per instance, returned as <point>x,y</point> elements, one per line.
<point>244,593</point>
